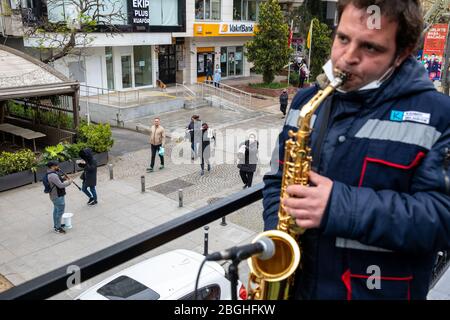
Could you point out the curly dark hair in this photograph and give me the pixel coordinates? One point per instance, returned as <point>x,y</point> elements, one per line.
<point>408,13</point>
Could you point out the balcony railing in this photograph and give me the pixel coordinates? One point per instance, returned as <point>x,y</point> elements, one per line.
<point>54,282</point>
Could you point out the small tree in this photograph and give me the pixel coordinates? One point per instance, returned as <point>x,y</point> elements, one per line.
<point>321,47</point>
<point>269,49</point>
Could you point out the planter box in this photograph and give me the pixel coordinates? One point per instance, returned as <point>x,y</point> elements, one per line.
<point>66,166</point>
<point>101,158</point>
<point>15,180</point>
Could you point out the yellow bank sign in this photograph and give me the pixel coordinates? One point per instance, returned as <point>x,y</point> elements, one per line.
<point>224,29</point>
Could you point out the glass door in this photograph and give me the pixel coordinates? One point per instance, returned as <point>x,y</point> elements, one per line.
<point>231,61</point>
<point>142,66</point>
<point>127,77</point>
<point>223,61</point>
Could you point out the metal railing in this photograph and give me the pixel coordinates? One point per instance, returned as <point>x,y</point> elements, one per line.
<point>115,97</point>
<point>54,282</point>
<point>220,96</point>
<point>245,97</point>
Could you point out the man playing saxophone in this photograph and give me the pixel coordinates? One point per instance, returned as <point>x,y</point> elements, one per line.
<point>377,208</point>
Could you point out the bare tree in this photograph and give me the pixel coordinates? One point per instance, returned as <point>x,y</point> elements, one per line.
<point>67,28</point>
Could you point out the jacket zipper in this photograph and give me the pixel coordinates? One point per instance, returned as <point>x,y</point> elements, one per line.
<point>445,169</point>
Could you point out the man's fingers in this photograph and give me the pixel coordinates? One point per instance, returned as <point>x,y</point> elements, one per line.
<point>298,213</point>
<point>297,191</point>
<point>314,178</point>
<point>305,223</point>
<point>297,203</point>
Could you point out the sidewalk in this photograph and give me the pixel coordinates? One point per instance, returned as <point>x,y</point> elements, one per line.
<point>29,247</point>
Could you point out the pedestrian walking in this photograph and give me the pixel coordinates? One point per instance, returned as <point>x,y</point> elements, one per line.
<point>209,70</point>
<point>89,175</point>
<point>217,76</point>
<point>284,97</point>
<point>194,130</point>
<point>157,142</point>
<point>248,159</point>
<point>303,74</point>
<point>207,136</point>
<point>55,186</point>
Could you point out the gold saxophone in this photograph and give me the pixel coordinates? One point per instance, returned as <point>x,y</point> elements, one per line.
<point>273,279</point>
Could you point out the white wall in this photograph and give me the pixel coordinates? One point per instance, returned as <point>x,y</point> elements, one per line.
<point>95,73</point>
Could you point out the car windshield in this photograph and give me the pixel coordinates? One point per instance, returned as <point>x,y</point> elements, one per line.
<point>126,288</point>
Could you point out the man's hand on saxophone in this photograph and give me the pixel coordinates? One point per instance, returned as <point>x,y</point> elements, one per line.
<point>307,204</point>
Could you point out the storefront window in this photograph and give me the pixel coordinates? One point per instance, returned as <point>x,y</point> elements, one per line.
<point>164,12</point>
<point>215,9</point>
<point>207,9</point>
<point>110,12</point>
<point>142,66</point>
<point>251,11</point>
<point>237,9</point>
<point>246,9</point>
<point>109,67</point>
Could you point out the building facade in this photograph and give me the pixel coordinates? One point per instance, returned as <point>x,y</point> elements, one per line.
<point>167,40</point>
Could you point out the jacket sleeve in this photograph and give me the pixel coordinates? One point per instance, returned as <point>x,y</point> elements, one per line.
<point>272,188</point>
<point>54,179</point>
<point>415,222</point>
<point>163,137</point>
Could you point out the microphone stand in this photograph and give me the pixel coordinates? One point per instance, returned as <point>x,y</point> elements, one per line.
<point>234,276</point>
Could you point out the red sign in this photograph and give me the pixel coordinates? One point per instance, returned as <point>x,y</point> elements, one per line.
<point>435,38</point>
<point>433,50</point>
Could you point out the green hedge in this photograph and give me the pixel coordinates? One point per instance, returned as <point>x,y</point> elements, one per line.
<point>98,137</point>
<point>12,162</point>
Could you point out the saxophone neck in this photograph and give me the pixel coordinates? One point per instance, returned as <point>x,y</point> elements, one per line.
<point>308,110</point>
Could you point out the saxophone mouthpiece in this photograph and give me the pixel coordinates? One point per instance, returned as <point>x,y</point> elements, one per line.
<point>341,78</point>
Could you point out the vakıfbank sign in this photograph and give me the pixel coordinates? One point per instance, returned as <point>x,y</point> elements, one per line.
<point>233,28</point>
<point>224,29</point>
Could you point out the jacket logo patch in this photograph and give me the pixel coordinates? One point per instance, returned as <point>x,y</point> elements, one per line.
<point>397,116</point>
<point>412,116</point>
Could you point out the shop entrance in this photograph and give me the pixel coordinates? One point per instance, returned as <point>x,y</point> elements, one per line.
<point>167,64</point>
<point>231,61</point>
<point>203,54</point>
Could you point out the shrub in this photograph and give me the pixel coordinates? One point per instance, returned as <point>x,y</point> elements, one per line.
<point>58,153</point>
<point>12,162</point>
<point>73,150</point>
<point>98,137</point>
<point>294,79</point>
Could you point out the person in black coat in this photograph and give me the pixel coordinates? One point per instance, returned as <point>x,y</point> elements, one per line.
<point>89,175</point>
<point>206,147</point>
<point>284,97</point>
<point>194,130</point>
<point>248,159</point>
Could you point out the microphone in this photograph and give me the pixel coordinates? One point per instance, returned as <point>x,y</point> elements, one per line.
<point>263,247</point>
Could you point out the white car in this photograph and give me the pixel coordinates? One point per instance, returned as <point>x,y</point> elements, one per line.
<point>169,276</point>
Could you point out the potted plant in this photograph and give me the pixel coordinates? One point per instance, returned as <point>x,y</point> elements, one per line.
<point>16,168</point>
<point>98,137</point>
<point>58,153</point>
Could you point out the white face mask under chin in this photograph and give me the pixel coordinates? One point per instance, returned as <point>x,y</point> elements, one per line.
<point>328,68</point>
